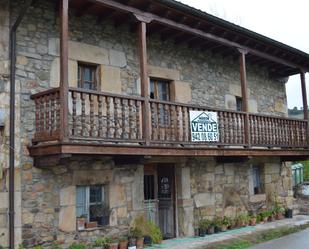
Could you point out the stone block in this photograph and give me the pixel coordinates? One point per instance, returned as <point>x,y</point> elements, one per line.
<point>138,190</point>
<point>252,106</point>
<point>4,200</point>
<point>83,177</point>
<point>117,58</point>
<point>235,90</point>
<point>186,221</point>
<point>21,60</point>
<point>55,73</point>
<point>110,79</point>
<point>81,52</point>
<point>229,170</point>
<point>163,73</point>
<point>272,168</point>
<point>280,106</point>
<point>181,91</point>
<point>117,196</point>
<point>230,102</point>
<point>185,202</point>
<point>68,196</point>
<point>184,184</point>
<point>258,198</point>
<point>4,238</point>
<point>122,212</point>
<point>67,219</point>
<point>204,199</point>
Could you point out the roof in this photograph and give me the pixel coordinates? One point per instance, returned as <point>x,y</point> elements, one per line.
<point>219,21</point>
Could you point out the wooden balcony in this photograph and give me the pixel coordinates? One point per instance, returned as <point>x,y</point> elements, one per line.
<point>104,123</point>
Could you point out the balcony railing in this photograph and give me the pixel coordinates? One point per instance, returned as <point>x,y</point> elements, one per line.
<point>110,118</point>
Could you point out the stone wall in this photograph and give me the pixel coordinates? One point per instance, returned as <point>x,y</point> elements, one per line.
<point>49,199</point>
<point>226,189</point>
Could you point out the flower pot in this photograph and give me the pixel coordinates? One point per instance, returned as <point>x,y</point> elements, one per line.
<point>252,221</point>
<point>223,228</point>
<point>113,246</point>
<point>201,232</point>
<point>147,240</point>
<point>265,219</point>
<point>123,245</point>
<point>132,242</point>
<point>211,230</point>
<point>140,243</point>
<point>92,224</point>
<point>217,229</point>
<point>289,213</point>
<point>80,223</point>
<point>279,216</point>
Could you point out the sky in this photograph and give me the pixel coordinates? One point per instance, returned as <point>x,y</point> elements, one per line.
<point>284,21</point>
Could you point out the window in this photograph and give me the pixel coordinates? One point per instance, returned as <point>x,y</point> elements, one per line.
<point>159,89</point>
<point>149,193</point>
<point>91,203</point>
<point>257,181</point>
<point>87,76</point>
<point>238,104</point>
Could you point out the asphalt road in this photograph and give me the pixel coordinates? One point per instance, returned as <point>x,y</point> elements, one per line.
<point>298,240</point>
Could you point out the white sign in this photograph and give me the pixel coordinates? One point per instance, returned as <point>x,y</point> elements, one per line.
<point>204,126</point>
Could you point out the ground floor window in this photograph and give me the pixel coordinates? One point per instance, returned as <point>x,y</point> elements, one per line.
<point>92,203</point>
<point>258,183</point>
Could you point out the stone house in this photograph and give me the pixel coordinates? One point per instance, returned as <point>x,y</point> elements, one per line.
<point>104,91</point>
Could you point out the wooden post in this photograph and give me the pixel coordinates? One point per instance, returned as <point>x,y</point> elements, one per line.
<point>243,80</point>
<point>305,103</point>
<point>64,83</point>
<point>144,81</point>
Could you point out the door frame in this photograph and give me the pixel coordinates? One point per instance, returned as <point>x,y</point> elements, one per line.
<point>153,168</point>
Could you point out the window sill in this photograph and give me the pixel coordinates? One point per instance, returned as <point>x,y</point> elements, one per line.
<point>257,198</point>
<point>93,229</point>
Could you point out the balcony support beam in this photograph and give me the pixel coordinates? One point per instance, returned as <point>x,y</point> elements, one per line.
<point>305,103</point>
<point>144,80</point>
<point>244,93</point>
<point>64,58</point>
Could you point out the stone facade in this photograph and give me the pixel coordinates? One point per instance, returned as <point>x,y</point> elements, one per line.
<point>45,203</point>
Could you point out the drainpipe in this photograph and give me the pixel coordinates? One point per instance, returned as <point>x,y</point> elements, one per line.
<point>13,30</point>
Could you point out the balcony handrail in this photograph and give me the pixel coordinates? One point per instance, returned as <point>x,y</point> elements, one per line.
<point>45,92</point>
<point>114,95</point>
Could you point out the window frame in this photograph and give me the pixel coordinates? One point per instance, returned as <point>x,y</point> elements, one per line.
<point>88,204</point>
<point>258,183</point>
<point>156,82</point>
<point>80,75</point>
<point>239,103</point>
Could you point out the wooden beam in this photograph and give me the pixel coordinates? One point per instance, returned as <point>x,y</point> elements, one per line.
<point>197,32</point>
<point>304,94</point>
<point>108,149</point>
<point>144,81</point>
<point>244,94</point>
<point>64,69</point>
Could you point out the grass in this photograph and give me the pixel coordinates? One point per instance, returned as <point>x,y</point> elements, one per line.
<point>306,170</point>
<point>250,240</point>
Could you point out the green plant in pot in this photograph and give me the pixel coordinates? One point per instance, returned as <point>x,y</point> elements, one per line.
<point>78,246</point>
<point>100,243</point>
<point>112,243</point>
<point>226,222</point>
<point>202,227</point>
<point>279,212</point>
<point>137,234</point>
<point>217,223</point>
<point>100,211</point>
<point>242,220</point>
<point>123,243</point>
<point>252,220</point>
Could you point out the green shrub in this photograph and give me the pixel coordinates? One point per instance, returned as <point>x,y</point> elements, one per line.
<point>38,247</point>
<point>306,170</point>
<point>78,246</point>
<point>56,246</point>
<point>101,242</point>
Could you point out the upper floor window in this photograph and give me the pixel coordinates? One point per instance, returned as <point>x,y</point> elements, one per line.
<point>92,204</point>
<point>87,76</point>
<point>238,104</point>
<point>160,89</point>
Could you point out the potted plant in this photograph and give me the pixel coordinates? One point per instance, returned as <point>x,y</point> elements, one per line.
<point>100,243</point>
<point>78,246</point>
<point>242,220</point>
<point>252,220</point>
<point>210,227</point>
<point>279,213</point>
<point>202,227</point>
<point>100,211</point>
<point>217,224</point>
<point>80,222</point>
<point>264,216</point>
<point>131,242</point>
<point>138,235</point>
<point>112,243</point>
<point>123,243</point>
<point>226,222</point>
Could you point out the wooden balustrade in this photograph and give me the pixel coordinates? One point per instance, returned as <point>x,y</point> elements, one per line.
<point>97,116</point>
<point>170,123</point>
<point>277,132</point>
<point>104,116</point>
<point>47,115</point>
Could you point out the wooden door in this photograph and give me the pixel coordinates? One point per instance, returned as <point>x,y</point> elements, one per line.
<point>166,199</point>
